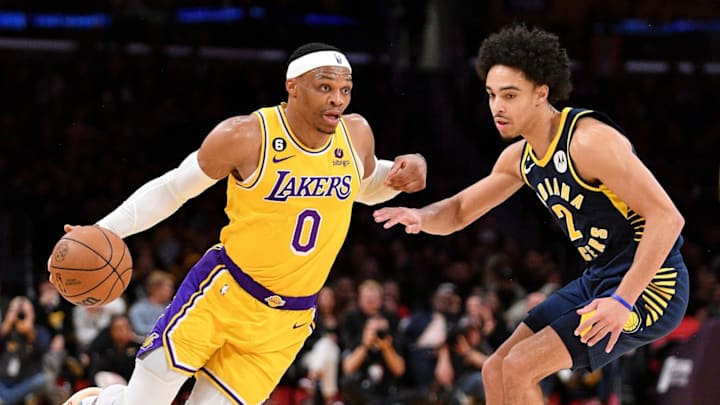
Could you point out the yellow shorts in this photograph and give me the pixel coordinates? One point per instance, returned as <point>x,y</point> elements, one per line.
<point>215,329</point>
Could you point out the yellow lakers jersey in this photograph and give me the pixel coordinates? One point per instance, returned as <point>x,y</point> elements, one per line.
<point>289,219</point>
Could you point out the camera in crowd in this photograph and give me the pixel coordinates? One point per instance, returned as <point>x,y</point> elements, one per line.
<point>461,328</point>
<point>382,333</point>
<point>455,332</point>
<point>20,315</point>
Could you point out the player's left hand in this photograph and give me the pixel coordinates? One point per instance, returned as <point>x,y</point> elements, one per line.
<point>408,173</point>
<point>609,316</point>
<point>391,216</point>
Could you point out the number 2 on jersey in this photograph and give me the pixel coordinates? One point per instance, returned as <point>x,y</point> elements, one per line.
<point>563,213</point>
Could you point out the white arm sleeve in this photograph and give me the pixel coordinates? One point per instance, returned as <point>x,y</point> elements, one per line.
<point>158,199</point>
<point>372,189</point>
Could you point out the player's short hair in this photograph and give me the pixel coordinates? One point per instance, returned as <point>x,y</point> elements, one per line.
<point>310,48</point>
<point>314,55</point>
<point>537,53</point>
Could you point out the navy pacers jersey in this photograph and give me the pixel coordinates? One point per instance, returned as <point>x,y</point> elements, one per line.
<point>606,232</point>
<point>598,223</point>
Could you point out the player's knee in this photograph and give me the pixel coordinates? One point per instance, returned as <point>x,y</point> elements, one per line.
<point>515,368</point>
<point>152,381</point>
<point>492,370</point>
<point>156,365</point>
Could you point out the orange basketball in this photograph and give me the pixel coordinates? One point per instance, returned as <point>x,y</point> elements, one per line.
<point>90,266</point>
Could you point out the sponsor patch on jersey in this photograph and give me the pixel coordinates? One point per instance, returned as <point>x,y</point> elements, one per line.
<point>279,144</point>
<point>560,161</point>
<point>339,161</point>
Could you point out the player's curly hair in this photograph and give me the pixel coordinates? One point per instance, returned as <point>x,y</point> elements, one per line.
<point>537,53</point>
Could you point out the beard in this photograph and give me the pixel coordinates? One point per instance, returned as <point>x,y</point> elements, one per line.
<point>326,131</point>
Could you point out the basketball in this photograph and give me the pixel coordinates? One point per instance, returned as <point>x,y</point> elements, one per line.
<point>90,266</point>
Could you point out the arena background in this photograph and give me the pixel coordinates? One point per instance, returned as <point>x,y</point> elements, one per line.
<point>100,97</point>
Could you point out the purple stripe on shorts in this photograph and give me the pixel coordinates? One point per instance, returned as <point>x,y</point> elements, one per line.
<point>196,277</point>
<point>264,295</point>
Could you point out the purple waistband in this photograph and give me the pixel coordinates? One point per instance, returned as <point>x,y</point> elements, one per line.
<point>264,295</point>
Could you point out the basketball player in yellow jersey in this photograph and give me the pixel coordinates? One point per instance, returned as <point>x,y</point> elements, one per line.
<point>244,310</point>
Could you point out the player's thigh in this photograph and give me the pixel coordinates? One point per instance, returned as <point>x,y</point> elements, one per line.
<point>194,325</point>
<point>257,351</point>
<point>563,301</point>
<point>247,377</point>
<point>520,333</point>
<point>541,354</point>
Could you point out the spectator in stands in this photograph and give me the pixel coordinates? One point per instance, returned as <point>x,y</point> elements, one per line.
<point>391,299</point>
<point>89,321</point>
<point>426,332</point>
<point>54,315</point>
<point>322,361</point>
<point>372,363</point>
<point>22,345</point>
<point>160,287</point>
<point>460,362</point>
<point>505,284</point>
<point>112,353</point>
<point>345,295</point>
<point>53,312</point>
<point>479,310</point>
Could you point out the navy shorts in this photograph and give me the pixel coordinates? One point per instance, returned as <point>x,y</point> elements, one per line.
<point>658,310</point>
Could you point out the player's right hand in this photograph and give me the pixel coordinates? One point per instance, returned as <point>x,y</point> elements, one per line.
<point>67,228</point>
<point>391,216</point>
<point>408,173</point>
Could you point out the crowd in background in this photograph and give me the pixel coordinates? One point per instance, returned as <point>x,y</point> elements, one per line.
<point>406,319</point>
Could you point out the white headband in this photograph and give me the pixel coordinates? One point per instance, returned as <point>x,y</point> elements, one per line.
<point>314,60</point>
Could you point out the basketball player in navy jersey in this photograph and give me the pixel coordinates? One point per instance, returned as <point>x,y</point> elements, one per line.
<point>634,288</point>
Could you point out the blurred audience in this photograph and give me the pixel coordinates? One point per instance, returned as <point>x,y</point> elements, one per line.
<point>21,354</point>
<point>460,362</point>
<point>160,288</point>
<point>112,353</point>
<point>90,321</point>
<point>426,332</point>
<point>372,361</point>
<point>323,360</point>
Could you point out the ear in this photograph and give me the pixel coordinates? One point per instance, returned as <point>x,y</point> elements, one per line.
<point>541,93</point>
<point>291,86</point>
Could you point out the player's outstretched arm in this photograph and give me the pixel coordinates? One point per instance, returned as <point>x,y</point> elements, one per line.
<point>383,179</point>
<point>457,212</point>
<point>221,152</point>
